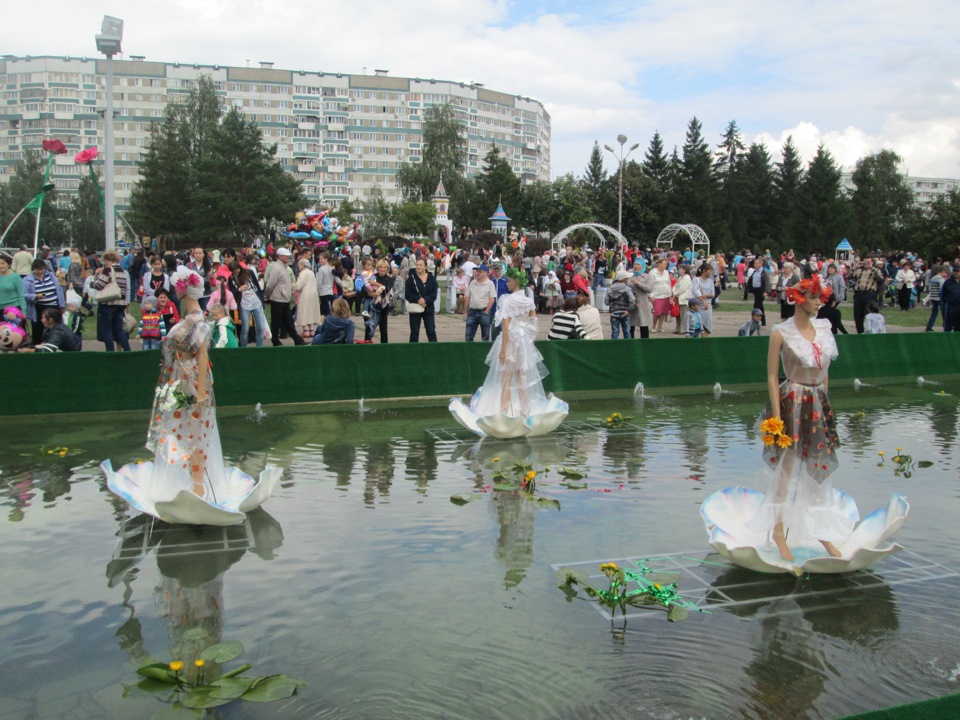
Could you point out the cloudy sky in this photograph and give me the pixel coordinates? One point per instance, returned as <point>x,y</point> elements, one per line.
<point>856,75</point>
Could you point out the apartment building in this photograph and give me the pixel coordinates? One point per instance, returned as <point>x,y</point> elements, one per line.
<point>925,189</point>
<point>342,135</point>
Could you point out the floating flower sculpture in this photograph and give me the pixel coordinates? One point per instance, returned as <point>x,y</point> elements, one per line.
<point>235,494</point>
<point>540,419</point>
<point>726,515</point>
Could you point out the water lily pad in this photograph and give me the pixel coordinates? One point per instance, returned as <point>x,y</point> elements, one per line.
<point>148,687</point>
<point>925,463</point>
<point>504,487</point>
<point>272,687</point>
<point>574,486</point>
<point>571,473</point>
<point>547,502</point>
<point>203,697</point>
<point>195,634</point>
<point>230,688</point>
<point>572,575</point>
<point>676,613</point>
<point>465,498</point>
<point>176,711</point>
<point>222,652</point>
<point>158,671</point>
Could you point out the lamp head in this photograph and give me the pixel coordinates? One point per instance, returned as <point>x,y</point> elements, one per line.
<point>111,34</point>
<point>634,147</point>
<point>607,147</point>
<point>622,139</point>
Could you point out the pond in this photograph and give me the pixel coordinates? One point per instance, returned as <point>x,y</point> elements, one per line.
<point>362,578</point>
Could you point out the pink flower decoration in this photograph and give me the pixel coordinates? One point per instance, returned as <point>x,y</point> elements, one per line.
<point>87,156</point>
<point>55,146</point>
<point>191,280</point>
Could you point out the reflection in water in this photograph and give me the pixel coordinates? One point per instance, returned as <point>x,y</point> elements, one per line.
<point>192,560</point>
<point>421,463</point>
<point>21,486</point>
<point>791,664</point>
<point>378,466</point>
<point>516,517</point>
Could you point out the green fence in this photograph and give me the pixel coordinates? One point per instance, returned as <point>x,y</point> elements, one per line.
<point>98,382</point>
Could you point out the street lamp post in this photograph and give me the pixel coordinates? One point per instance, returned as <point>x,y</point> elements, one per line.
<point>108,42</point>
<point>622,139</point>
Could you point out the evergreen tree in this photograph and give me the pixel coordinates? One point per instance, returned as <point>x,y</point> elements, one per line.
<point>19,190</point>
<point>759,206</point>
<point>238,183</point>
<point>86,215</point>
<point>655,162</point>
<point>697,183</point>
<point>787,182</point>
<point>643,205</point>
<point>377,215</point>
<point>571,202</point>
<point>883,203</point>
<point>498,184</point>
<point>672,191</point>
<point>826,209</point>
<point>733,199</point>
<point>594,181</point>
<point>540,207</point>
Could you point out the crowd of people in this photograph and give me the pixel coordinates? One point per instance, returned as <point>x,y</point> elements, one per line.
<point>314,292</point>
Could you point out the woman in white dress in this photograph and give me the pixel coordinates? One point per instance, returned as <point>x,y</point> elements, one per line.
<point>308,300</point>
<point>801,507</point>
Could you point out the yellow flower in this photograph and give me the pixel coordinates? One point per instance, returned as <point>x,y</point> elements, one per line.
<point>772,425</point>
<point>530,475</point>
<point>176,665</point>
<point>768,439</point>
<point>898,450</point>
<point>496,459</point>
<point>882,453</point>
<point>63,453</point>
<point>199,662</point>
<point>609,419</point>
<point>612,567</point>
<point>49,452</point>
<point>784,441</point>
<point>657,586</point>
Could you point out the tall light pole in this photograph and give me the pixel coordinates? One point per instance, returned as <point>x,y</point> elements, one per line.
<point>622,139</point>
<point>108,42</point>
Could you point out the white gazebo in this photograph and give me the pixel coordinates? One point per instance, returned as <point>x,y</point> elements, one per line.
<point>499,220</point>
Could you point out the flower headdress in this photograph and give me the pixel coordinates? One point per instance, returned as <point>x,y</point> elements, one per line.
<point>810,287</point>
<point>187,282</point>
<point>518,276</point>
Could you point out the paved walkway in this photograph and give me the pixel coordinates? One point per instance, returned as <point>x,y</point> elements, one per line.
<point>450,328</point>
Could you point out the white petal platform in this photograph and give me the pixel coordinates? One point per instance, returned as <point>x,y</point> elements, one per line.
<point>239,495</point>
<point>726,513</point>
<point>540,421</point>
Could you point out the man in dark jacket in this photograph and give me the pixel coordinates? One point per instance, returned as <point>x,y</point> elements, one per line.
<point>950,299</point>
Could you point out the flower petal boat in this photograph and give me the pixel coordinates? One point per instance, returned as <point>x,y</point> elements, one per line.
<point>225,504</point>
<point>541,418</point>
<point>727,512</point>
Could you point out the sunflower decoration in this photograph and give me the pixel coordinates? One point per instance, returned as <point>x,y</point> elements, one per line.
<point>772,433</point>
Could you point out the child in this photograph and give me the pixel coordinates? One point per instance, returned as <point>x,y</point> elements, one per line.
<point>753,326</point>
<point>171,316</point>
<point>874,323</point>
<point>73,317</point>
<point>152,328</point>
<point>224,334</point>
<point>694,328</point>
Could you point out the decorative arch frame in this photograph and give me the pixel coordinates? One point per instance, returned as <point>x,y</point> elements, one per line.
<point>694,232</point>
<point>557,242</point>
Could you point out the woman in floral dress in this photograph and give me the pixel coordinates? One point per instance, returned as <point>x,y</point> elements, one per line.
<point>183,433</point>
<point>799,432</point>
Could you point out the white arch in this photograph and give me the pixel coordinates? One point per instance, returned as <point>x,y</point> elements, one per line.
<point>558,239</point>
<point>694,232</point>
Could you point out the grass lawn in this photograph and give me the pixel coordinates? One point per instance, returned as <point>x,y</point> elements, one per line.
<point>915,317</point>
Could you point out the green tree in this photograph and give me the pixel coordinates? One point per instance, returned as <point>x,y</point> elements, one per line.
<point>571,202</point>
<point>415,219</point>
<point>643,204</point>
<point>787,182</point>
<point>594,182</point>
<point>22,187</point>
<point>540,206</point>
<point>733,197</point>
<point>759,204</point>
<point>208,176</point>
<point>697,186</point>
<point>655,162</point>
<point>826,209</point>
<point>883,203</point>
<point>940,226</point>
<point>377,215</point>
<point>347,211</point>
<point>443,151</point>
<point>86,215</point>
<point>238,184</point>
<point>498,184</point>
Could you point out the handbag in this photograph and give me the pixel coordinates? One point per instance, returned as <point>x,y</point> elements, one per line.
<point>130,323</point>
<point>109,292</point>
<point>675,308</point>
<point>415,308</point>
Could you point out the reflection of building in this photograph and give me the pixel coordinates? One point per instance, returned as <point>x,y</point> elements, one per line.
<point>342,135</point>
